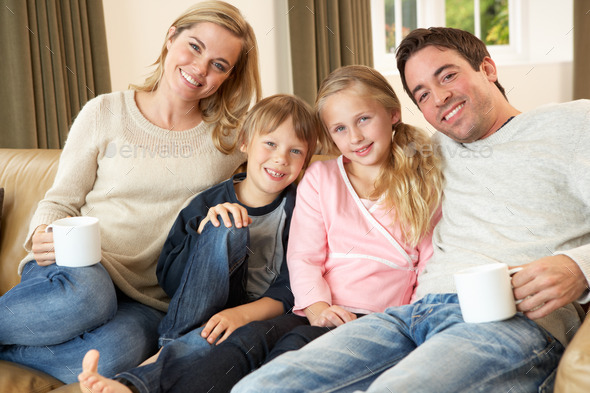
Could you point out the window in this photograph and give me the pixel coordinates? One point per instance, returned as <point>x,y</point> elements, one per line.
<point>493,21</point>
<point>486,19</point>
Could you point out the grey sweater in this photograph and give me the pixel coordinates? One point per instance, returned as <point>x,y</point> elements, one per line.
<point>519,195</point>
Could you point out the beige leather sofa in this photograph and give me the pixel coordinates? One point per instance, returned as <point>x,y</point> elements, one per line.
<point>27,174</point>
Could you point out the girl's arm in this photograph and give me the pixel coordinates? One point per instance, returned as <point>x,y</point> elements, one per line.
<point>308,242</point>
<point>222,324</point>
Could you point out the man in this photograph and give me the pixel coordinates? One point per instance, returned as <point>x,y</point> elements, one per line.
<point>517,192</point>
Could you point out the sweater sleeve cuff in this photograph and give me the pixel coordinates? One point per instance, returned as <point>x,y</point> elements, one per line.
<point>581,255</point>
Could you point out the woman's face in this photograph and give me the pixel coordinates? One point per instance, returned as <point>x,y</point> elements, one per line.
<point>199,60</point>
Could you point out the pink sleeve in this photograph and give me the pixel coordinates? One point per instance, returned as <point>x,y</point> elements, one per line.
<point>425,247</point>
<point>308,245</point>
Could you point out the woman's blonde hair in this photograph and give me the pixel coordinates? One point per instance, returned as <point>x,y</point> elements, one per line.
<point>226,107</point>
<point>268,114</point>
<point>411,179</point>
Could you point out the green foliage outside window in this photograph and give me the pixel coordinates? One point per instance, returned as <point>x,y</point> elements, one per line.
<point>409,13</point>
<point>459,14</point>
<point>493,17</point>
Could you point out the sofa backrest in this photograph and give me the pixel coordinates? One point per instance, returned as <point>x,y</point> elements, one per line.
<point>25,175</point>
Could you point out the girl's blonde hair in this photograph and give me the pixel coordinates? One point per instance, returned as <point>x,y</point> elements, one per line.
<point>226,107</point>
<point>268,114</point>
<point>411,179</point>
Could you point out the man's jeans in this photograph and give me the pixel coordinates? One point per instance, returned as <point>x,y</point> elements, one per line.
<point>214,278</point>
<point>56,314</point>
<point>422,347</point>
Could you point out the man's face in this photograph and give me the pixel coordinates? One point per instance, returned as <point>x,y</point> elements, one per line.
<point>457,100</point>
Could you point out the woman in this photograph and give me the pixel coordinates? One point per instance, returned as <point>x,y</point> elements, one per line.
<point>133,159</point>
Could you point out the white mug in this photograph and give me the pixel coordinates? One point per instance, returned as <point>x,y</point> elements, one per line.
<point>485,293</point>
<point>76,241</point>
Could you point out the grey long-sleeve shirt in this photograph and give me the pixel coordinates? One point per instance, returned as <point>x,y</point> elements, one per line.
<point>519,195</point>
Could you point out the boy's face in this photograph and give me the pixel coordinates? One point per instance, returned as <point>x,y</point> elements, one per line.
<point>457,100</point>
<point>274,161</point>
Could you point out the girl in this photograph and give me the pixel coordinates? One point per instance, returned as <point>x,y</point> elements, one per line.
<point>133,159</point>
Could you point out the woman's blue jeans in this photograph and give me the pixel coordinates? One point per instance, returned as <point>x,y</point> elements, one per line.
<point>56,314</point>
<point>422,347</point>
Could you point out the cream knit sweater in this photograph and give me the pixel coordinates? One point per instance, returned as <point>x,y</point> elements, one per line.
<point>134,177</point>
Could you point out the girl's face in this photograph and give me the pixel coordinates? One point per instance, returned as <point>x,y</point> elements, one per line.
<point>360,126</point>
<point>199,60</point>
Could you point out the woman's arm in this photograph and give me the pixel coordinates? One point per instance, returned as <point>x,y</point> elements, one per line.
<point>75,178</point>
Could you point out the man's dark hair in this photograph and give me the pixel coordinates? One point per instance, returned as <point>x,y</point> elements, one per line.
<point>466,44</point>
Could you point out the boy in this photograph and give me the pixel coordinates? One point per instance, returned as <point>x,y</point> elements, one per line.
<point>224,277</point>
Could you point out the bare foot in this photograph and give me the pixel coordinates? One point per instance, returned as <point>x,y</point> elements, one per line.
<point>91,380</point>
<point>151,359</point>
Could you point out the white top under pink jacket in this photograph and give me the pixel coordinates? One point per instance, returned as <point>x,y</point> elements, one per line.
<point>344,253</point>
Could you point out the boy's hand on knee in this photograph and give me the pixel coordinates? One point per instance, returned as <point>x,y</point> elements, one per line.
<point>224,210</point>
<point>221,325</point>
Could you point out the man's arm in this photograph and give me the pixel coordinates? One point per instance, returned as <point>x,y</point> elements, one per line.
<point>551,282</point>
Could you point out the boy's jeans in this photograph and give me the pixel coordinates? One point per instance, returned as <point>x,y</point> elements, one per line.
<point>422,347</point>
<point>190,364</point>
<point>56,314</point>
<point>214,279</point>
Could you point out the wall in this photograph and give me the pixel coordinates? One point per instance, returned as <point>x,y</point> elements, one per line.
<point>541,73</point>
<point>542,70</point>
<point>136,30</point>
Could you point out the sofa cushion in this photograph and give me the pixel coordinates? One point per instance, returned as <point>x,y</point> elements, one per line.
<point>19,379</point>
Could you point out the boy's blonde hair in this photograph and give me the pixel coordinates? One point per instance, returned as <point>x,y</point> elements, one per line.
<point>410,182</point>
<point>268,114</point>
<point>226,107</point>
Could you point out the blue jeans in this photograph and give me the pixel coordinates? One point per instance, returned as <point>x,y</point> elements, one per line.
<point>422,347</point>
<point>190,364</point>
<point>213,279</point>
<point>56,314</point>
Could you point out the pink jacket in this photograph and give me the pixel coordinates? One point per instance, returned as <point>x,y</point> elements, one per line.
<point>344,254</point>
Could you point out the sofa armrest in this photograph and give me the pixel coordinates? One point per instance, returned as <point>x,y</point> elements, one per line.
<point>572,372</point>
<point>26,175</point>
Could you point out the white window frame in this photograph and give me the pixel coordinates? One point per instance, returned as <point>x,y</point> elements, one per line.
<point>432,13</point>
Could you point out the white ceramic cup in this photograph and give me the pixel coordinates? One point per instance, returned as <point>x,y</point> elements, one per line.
<point>485,293</point>
<point>76,241</point>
